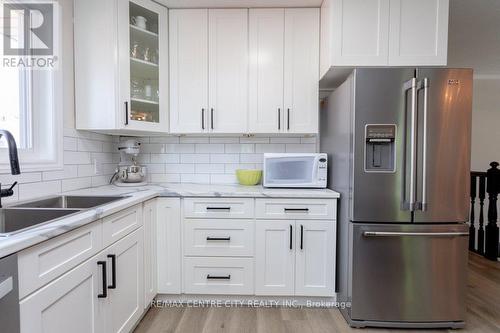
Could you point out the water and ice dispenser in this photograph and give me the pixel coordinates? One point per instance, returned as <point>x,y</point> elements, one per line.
<point>380,148</point>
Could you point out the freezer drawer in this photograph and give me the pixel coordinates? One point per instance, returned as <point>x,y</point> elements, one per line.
<point>408,273</point>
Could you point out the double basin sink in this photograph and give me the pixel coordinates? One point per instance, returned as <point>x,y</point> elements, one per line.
<point>22,216</point>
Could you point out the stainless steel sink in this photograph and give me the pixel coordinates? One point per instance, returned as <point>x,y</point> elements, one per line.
<point>14,220</point>
<point>70,201</point>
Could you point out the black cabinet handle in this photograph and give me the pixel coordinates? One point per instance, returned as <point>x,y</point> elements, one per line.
<point>126,112</point>
<point>113,271</point>
<point>301,237</point>
<point>202,118</point>
<point>288,119</point>
<point>212,118</point>
<point>104,282</point>
<point>291,237</point>
<point>297,210</point>
<point>218,208</point>
<point>218,277</point>
<point>279,118</point>
<point>218,238</point>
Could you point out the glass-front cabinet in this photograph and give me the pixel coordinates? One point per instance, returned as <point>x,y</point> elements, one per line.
<point>143,30</point>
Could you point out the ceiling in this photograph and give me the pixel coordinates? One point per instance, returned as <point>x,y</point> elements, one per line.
<point>474,35</point>
<point>239,3</point>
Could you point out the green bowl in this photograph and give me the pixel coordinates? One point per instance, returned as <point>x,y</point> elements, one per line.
<point>248,177</point>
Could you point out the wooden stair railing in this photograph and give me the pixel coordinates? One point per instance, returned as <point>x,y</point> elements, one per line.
<point>487,237</point>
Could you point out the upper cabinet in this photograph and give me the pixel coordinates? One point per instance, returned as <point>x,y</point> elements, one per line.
<point>284,70</point>
<point>121,73</point>
<point>208,70</point>
<point>419,32</point>
<point>383,33</point>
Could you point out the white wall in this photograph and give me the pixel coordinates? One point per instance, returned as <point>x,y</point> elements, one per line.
<point>485,123</point>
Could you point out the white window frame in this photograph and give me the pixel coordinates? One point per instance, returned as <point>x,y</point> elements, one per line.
<point>46,102</point>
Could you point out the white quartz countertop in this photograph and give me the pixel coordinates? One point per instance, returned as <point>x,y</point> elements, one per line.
<point>134,195</point>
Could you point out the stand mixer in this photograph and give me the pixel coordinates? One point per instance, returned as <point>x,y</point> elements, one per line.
<point>128,172</point>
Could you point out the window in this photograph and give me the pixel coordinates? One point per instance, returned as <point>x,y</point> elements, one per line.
<point>30,103</point>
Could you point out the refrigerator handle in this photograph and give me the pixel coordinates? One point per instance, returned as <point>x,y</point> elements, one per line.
<point>424,85</point>
<point>413,234</point>
<point>412,86</point>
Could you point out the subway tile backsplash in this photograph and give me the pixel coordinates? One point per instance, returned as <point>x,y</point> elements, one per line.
<point>79,170</point>
<point>213,160</point>
<point>187,159</point>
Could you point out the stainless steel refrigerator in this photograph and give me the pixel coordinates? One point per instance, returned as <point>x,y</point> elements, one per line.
<point>398,141</point>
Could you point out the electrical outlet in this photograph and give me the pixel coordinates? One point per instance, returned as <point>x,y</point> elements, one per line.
<point>97,167</point>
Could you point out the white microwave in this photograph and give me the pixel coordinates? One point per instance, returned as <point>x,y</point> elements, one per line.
<point>295,170</point>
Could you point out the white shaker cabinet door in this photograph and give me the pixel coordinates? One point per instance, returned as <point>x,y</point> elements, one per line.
<point>266,41</point>
<point>169,247</point>
<point>315,258</point>
<point>359,32</point>
<point>68,304</point>
<point>301,85</point>
<point>418,32</point>
<point>125,282</point>
<point>188,47</point>
<point>274,257</point>
<point>228,70</point>
<point>150,236</point>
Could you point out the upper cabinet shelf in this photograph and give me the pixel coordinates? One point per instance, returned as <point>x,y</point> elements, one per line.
<point>382,33</point>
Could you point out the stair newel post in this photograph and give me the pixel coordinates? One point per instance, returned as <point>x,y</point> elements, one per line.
<point>482,196</point>
<point>492,187</point>
<point>472,228</point>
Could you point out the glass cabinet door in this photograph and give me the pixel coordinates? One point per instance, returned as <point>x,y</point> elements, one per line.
<point>146,54</point>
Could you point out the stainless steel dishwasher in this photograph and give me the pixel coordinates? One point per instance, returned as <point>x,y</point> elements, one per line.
<point>9,295</point>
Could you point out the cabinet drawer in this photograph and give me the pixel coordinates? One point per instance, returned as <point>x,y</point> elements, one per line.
<point>218,237</point>
<point>236,208</point>
<point>121,224</point>
<point>303,209</point>
<point>44,262</point>
<point>218,276</point>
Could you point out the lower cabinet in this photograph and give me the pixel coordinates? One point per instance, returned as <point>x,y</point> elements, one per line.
<point>295,257</point>
<point>125,283</point>
<point>104,294</point>
<point>150,273</point>
<point>69,303</point>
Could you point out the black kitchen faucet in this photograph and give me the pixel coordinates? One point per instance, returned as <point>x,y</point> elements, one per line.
<point>14,163</point>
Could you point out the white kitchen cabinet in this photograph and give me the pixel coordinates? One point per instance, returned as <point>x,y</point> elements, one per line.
<point>383,33</point>
<point>274,257</point>
<point>125,282</point>
<point>418,32</point>
<point>121,66</point>
<point>228,70</point>
<point>209,70</point>
<point>266,45</point>
<point>188,46</point>
<point>169,246</point>
<point>301,99</point>
<point>150,264</point>
<point>315,258</point>
<point>68,304</point>
<point>295,257</point>
<point>284,70</point>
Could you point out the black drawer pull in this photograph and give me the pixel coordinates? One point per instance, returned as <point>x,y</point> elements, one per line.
<point>113,271</point>
<point>218,208</point>
<point>104,280</point>
<point>218,277</point>
<point>218,238</point>
<point>301,210</point>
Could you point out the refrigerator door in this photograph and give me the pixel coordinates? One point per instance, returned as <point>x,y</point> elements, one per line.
<point>408,273</point>
<point>444,145</point>
<point>381,99</point>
